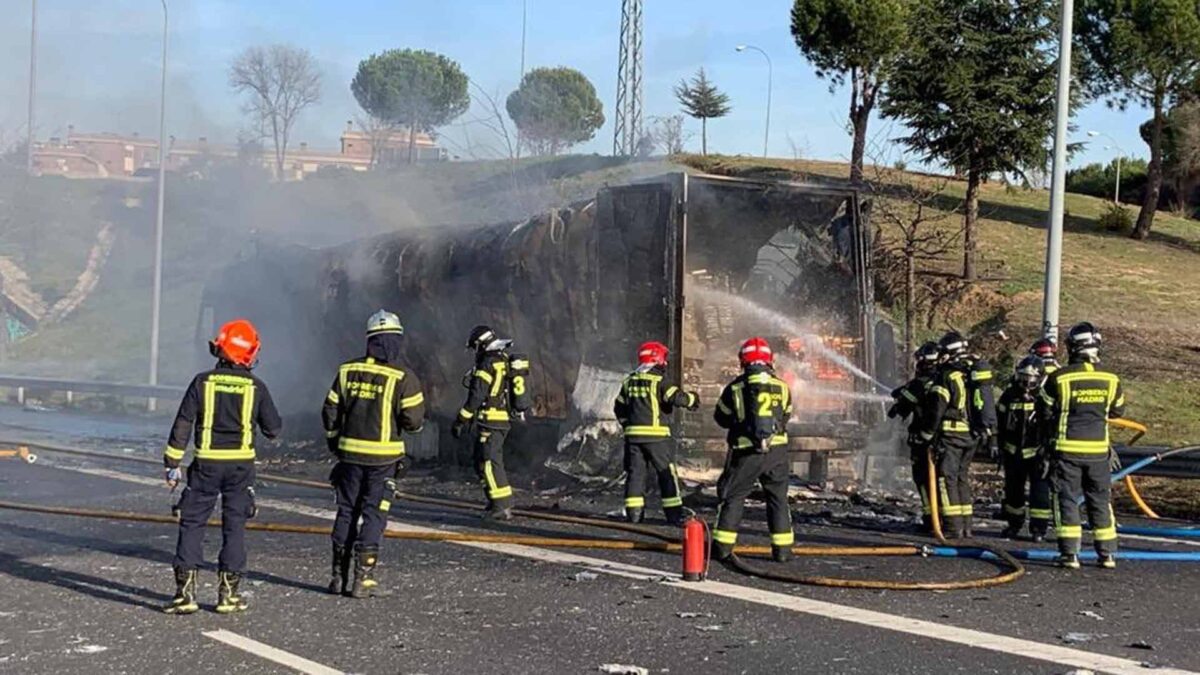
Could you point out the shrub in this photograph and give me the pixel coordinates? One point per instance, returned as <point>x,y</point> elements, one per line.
<point>1116,218</point>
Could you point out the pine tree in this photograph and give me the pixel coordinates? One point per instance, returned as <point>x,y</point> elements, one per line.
<point>702,100</point>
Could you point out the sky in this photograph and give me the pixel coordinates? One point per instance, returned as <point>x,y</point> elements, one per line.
<point>99,67</point>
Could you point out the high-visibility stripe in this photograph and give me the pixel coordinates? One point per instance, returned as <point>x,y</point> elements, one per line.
<point>954,425</point>
<point>498,383</point>
<point>1106,533</point>
<point>248,416</point>
<point>1069,531</point>
<point>691,399</point>
<point>1029,453</point>
<point>655,408</point>
<point>235,380</point>
<point>385,506</point>
<point>942,392</point>
<point>644,430</point>
<point>173,453</point>
<point>385,417</point>
<point>724,537</point>
<point>375,448</point>
<point>908,395</point>
<point>412,401</point>
<point>670,392</point>
<point>520,364</point>
<point>981,375</point>
<point>210,408</point>
<point>370,368</point>
<point>966,510</point>
<point>494,415</point>
<point>724,408</point>
<point>783,538</point>
<point>484,375</point>
<point>333,433</point>
<point>225,454</point>
<point>672,502</point>
<point>635,502</point>
<point>1041,514</point>
<point>1082,447</point>
<point>738,405</point>
<point>333,397</point>
<point>677,500</point>
<point>494,490</point>
<point>1014,510</point>
<point>466,414</point>
<point>777,440</point>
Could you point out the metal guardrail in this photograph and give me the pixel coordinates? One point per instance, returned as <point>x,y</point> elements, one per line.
<point>21,384</point>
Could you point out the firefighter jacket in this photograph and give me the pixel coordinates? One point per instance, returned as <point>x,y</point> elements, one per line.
<point>222,406</point>
<point>982,397</point>
<point>368,405</point>
<point>947,411</point>
<point>645,401</point>
<point>488,392</point>
<point>755,409</point>
<point>1020,427</point>
<point>1078,400</point>
<point>910,401</point>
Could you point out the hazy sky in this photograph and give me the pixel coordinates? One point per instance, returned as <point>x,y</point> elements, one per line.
<point>98,64</point>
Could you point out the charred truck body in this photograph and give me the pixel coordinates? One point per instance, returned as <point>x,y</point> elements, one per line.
<point>698,262</point>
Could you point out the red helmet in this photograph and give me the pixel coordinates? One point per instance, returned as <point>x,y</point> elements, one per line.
<point>1043,349</point>
<point>652,354</point>
<point>236,342</point>
<point>755,351</point>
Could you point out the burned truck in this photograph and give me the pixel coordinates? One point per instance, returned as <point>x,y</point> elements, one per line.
<point>699,262</point>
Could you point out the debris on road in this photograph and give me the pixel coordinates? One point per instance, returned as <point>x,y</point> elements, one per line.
<point>710,628</point>
<point>1076,638</point>
<point>1090,614</point>
<point>621,669</point>
<point>695,615</point>
<point>89,649</point>
<point>1141,644</point>
<point>585,576</point>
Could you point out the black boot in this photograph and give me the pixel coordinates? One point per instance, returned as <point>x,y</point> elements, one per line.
<point>228,598</point>
<point>1012,531</point>
<point>781,554</point>
<point>720,551</point>
<point>634,515</point>
<point>364,567</point>
<point>494,513</point>
<point>966,527</point>
<point>339,574</point>
<point>184,601</point>
<point>674,515</point>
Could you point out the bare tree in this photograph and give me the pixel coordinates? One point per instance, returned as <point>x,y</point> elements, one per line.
<point>799,150</point>
<point>379,133</point>
<point>281,81</point>
<point>667,132</point>
<point>915,230</point>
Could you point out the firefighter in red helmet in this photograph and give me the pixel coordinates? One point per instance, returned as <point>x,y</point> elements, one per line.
<point>755,409</point>
<point>223,406</point>
<point>643,407</point>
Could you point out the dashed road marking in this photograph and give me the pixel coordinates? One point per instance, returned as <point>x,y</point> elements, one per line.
<point>265,651</point>
<point>1018,647</point>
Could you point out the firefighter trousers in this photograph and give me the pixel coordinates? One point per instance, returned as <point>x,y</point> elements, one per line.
<point>362,504</point>
<point>489,465</point>
<point>1018,471</point>
<point>955,496</point>
<point>207,480</point>
<point>744,468</point>
<point>1086,478</point>
<point>658,455</point>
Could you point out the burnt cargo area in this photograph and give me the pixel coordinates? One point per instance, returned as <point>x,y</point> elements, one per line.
<point>699,262</point>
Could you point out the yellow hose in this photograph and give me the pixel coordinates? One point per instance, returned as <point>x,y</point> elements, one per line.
<point>1139,431</point>
<point>665,543</point>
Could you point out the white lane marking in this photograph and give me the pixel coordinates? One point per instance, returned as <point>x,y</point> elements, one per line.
<point>1028,649</point>
<point>264,651</point>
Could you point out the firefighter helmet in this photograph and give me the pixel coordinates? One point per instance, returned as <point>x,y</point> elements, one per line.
<point>384,321</point>
<point>954,345</point>
<point>755,351</point>
<point>1083,340</point>
<point>236,342</point>
<point>927,355</point>
<point>652,354</point>
<point>1044,349</point>
<point>480,337</point>
<point>1030,371</point>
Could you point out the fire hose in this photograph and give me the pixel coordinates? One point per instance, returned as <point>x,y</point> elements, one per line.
<point>663,543</point>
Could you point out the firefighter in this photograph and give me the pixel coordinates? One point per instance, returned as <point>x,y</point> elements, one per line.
<point>372,400</point>
<point>642,407</point>
<point>946,425</point>
<point>981,415</point>
<point>1079,399</point>
<point>223,407</point>
<point>755,409</point>
<point>1023,452</point>
<point>911,403</point>
<point>1046,352</point>
<point>486,414</point>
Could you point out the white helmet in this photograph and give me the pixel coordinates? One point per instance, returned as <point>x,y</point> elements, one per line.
<point>384,321</point>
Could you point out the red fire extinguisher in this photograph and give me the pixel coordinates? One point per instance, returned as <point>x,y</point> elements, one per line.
<point>695,549</point>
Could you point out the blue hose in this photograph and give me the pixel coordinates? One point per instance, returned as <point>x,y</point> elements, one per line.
<point>1132,468</point>
<point>1160,531</point>
<point>1043,555</point>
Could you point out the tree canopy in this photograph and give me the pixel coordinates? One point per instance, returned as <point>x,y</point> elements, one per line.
<point>701,99</point>
<point>417,89</point>
<point>555,108</point>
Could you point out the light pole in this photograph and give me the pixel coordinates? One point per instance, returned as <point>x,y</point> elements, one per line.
<point>32,87</point>
<point>770,77</point>
<point>1054,229</point>
<point>156,312</point>
<point>1120,156</point>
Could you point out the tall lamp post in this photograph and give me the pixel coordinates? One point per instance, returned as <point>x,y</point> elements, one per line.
<point>1054,229</point>
<point>770,77</point>
<point>1120,156</point>
<point>156,312</point>
<point>32,87</point>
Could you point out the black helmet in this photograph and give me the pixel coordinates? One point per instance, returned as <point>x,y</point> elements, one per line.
<point>1083,341</point>
<point>1029,372</point>
<point>480,336</point>
<point>954,345</point>
<point>927,355</point>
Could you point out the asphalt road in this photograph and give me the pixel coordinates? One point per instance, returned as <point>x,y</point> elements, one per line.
<point>81,595</point>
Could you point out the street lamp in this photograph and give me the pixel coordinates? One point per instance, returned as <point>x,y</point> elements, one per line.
<point>1120,155</point>
<point>767,133</point>
<point>156,312</point>
<point>1054,228</point>
<point>32,87</point>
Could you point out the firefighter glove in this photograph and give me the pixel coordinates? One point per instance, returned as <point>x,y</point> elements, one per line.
<point>402,466</point>
<point>693,401</point>
<point>993,446</point>
<point>892,412</point>
<point>1114,460</point>
<point>173,476</point>
<point>459,429</point>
